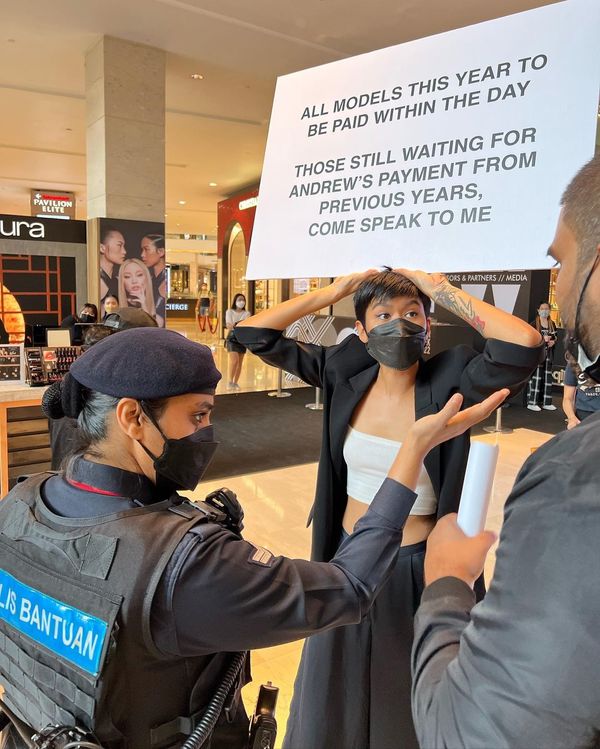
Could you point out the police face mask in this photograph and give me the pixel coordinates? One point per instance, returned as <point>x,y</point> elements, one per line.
<point>397,343</point>
<point>589,368</point>
<point>183,461</point>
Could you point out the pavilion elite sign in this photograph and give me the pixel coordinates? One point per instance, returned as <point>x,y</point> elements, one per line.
<point>52,204</point>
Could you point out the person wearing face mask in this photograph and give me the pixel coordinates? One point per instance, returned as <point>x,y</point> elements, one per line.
<point>111,303</point>
<point>234,315</point>
<point>353,684</point>
<point>64,432</point>
<point>521,668</point>
<point>125,602</point>
<point>539,389</point>
<point>76,324</point>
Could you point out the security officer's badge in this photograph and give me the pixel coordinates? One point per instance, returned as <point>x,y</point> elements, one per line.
<point>261,556</point>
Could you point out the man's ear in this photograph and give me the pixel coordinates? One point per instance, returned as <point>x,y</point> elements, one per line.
<point>129,417</point>
<point>362,333</point>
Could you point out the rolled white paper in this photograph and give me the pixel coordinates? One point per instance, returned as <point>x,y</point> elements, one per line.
<point>477,487</point>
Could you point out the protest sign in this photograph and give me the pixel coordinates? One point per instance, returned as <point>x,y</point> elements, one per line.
<point>448,153</point>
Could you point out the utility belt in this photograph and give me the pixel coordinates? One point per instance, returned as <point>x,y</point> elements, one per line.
<point>262,730</point>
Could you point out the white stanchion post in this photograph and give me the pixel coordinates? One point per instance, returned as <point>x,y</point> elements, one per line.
<point>279,393</point>
<point>317,405</point>
<point>498,428</point>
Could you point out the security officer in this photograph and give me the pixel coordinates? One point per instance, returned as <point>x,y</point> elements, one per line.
<point>120,602</point>
<point>64,434</point>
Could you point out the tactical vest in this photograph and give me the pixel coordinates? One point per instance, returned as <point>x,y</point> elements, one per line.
<point>75,640</point>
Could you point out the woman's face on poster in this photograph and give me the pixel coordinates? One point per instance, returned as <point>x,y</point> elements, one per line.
<point>134,279</point>
<point>114,248</point>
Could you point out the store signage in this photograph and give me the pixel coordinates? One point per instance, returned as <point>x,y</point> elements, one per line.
<point>301,285</point>
<point>177,306</point>
<point>52,204</point>
<point>42,229</point>
<point>509,291</point>
<point>22,229</point>
<point>448,153</point>
<point>248,203</point>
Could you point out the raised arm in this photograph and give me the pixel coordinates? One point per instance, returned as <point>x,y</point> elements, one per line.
<point>280,599</point>
<point>488,320</point>
<point>284,314</point>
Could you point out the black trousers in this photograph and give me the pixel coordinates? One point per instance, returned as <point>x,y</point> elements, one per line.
<point>353,685</point>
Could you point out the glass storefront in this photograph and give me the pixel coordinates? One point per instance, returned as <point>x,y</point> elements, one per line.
<point>265,294</point>
<point>554,310</point>
<point>237,264</point>
<point>179,280</point>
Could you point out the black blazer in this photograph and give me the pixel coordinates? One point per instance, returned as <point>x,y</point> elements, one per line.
<point>345,372</point>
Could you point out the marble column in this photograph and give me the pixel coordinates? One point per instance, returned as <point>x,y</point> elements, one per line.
<point>125,119</point>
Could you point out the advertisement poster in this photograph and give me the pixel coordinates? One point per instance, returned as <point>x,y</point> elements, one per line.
<point>132,261</point>
<point>448,153</point>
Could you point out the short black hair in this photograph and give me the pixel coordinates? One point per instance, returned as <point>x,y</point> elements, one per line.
<point>581,209</point>
<point>386,285</point>
<point>107,231</point>
<point>157,240</point>
<point>91,306</point>
<point>95,333</point>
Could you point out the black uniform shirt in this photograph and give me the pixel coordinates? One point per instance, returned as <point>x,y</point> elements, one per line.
<point>220,593</point>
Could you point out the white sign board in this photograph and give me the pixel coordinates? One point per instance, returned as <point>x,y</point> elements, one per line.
<point>449,153</point>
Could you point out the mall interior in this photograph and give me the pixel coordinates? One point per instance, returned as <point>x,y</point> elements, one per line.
<point>134,133</point>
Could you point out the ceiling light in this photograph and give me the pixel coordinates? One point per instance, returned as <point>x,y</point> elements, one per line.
<point>197,76</point>
<point>182,202</point>
<point>212,184</point>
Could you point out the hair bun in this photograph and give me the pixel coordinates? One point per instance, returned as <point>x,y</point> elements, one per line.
<point>51,402</point>
<point>72,396</point>
<point>64,398</point>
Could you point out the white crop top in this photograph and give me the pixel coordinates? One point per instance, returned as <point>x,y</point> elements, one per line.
<point>369,459</point>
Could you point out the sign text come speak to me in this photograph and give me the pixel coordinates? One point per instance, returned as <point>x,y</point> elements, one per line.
<point>448,153</point>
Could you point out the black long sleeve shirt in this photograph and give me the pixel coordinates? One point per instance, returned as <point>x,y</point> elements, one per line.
<point>520,669</point>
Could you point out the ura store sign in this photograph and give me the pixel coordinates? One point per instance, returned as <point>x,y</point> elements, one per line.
<point>35,229</point>
<point>21,229</point>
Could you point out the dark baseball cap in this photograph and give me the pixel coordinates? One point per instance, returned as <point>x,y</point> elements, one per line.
<point>125,318</point>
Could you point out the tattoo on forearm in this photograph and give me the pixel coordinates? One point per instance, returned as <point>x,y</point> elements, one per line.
<point>450,298</point>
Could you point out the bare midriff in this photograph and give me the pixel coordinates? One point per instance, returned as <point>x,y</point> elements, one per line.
<point>416,529</point>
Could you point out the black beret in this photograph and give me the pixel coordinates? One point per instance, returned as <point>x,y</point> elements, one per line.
<point>147,363</point>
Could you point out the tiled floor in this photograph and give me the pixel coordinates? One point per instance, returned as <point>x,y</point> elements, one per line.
<point>255,375</point>
<point>277,503</point>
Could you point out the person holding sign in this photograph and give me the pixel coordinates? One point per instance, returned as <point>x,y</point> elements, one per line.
<point>353,685</point>
<point>521,669</point>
